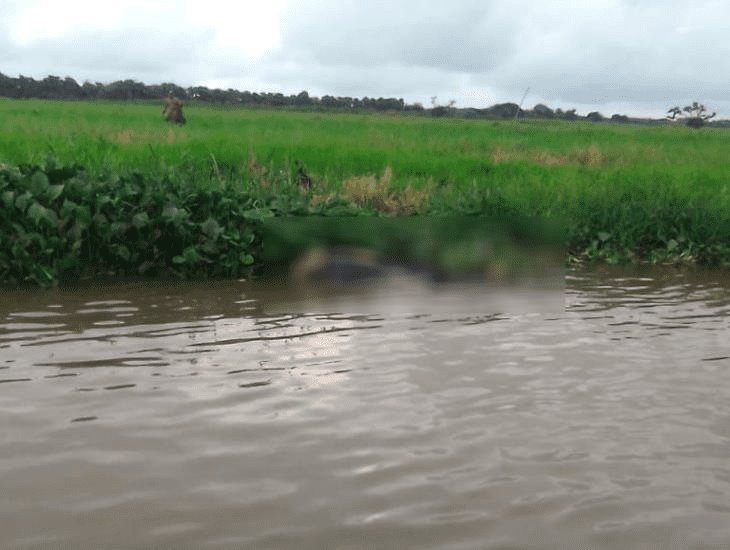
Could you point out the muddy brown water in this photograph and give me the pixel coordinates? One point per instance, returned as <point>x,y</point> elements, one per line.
<point>233,415</point>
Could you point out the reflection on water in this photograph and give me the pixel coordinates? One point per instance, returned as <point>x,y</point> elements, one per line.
<point>213,416</point>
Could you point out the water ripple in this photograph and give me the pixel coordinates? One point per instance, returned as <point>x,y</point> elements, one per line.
<point>197,419</point>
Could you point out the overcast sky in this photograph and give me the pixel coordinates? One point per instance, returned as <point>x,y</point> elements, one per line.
<point>637,57</point>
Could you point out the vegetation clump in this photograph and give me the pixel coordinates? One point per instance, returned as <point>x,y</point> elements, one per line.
<point>61,223</point>
<point>695,115</point>
<point>172,110</point>
<point>198,195</point>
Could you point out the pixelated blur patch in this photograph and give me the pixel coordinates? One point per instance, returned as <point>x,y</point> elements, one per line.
<point>455,261</point>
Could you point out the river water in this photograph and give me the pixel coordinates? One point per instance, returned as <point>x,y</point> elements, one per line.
<point>231,415</point>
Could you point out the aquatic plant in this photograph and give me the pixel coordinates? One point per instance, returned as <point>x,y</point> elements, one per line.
<point>60,223</point>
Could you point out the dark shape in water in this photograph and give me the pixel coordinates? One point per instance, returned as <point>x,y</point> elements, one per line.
<point>350,264</point>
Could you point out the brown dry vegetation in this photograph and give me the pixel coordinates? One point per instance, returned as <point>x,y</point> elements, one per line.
<point>582,156</point>
<point>378,192</point>
<point>127,137</point>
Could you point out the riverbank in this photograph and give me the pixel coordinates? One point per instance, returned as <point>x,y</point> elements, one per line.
<point>123,193</point>
<point>60,223</point>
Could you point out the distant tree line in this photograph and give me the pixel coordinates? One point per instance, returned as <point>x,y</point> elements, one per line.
<point>54,87</point>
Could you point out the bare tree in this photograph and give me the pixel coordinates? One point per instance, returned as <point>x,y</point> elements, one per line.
<point>695,115</point>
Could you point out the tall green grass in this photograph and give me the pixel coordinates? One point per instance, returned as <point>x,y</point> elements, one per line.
<point>623,192</point>
<point>335,146</point>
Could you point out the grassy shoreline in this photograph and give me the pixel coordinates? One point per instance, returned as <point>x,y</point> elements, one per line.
<point>125,193</point>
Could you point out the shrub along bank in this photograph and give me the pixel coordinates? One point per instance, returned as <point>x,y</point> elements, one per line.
<point>61,223</point>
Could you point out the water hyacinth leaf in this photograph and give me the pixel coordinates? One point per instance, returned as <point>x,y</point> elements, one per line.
<point>19,252</point>
<point>19,229</point>
<point>672,245</point>
<point>129,190</point>
<point>174,214</point>
<point>245,259</point>
<point>83,215</point>
<point>100,219</point>
<point>123,252</point>
<point>38,184</point>
<point>118,228</point>
<point>53,192</point>
<point>140,220</point>
<point>106,200</point>
<point>209,247</point>
<point>211,228</point>
<point>79,187</point>
<point>191,255</point>
<point>22,202</point>
<point>8,198</point>
<point>68,208</point>
<point>39,213</point>
<point>178,260</point>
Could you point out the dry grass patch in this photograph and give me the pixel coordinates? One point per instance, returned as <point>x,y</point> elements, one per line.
<point>498,154</point>
<point>584,156</point>
<point>549,158</point>
<point>369,190</point>
<point>124,136</point>
<point>589,156</point>
<point>378,192</point>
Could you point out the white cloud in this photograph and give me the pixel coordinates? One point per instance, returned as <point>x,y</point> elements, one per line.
<point>634,56</point>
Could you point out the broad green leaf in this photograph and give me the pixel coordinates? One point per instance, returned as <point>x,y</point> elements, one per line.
<point>140,220</point>
<point>603,236</point>
<point>211,228</point>
<point>174,214</point>
<point>103,200</point>
<point>123,252</point>
<point>38,213</point>
<point>209,247</point>
<point>83,215</point>
<point>38,184</point>
<point>191,255</point>
<point>672,245</point>
<point>68,209</point>
<point>118,228</point>
<point>8,198</point>
<point>54,191</point>
<point>22,202</point>
<point>245,259</point>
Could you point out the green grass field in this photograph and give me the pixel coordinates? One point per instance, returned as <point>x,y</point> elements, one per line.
<point>336,146</point>
<point>624,192</point>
